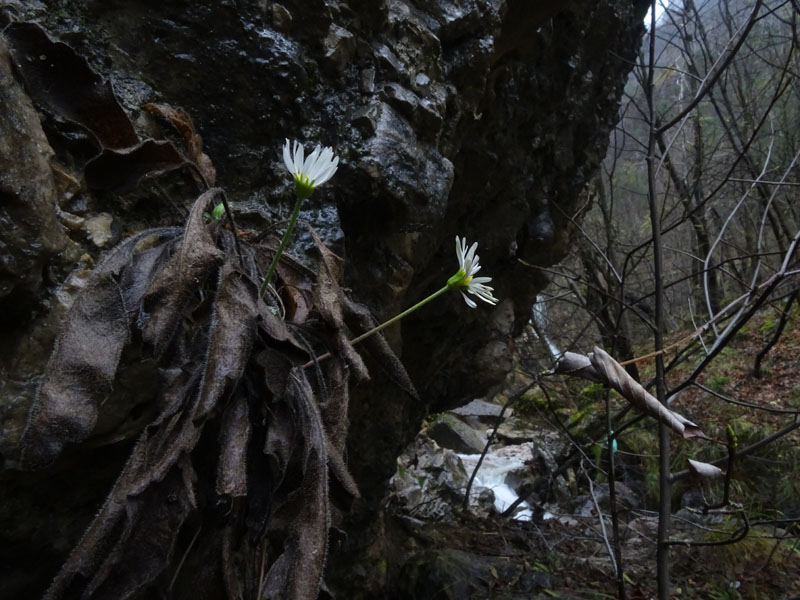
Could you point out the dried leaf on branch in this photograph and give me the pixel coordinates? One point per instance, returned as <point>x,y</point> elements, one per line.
<point>705,470</point>
<point>599,366</point>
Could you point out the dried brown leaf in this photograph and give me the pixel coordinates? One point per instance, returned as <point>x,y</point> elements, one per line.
<point>86,556</point>
<point>615,376</point>
<point>232,467</point>
<point>146,543</point>
<point>705,470</point>
<point>579,366</point>
<point>231,338</point>
<point>81,370</point>
<point>182,122</point>
<point>329,301</point>
<point>121,170</point>
<point>179,280</point>
<point>305,513</point>
<point>229,345</point>
<point>62,83</point>
<point>360,319</point>
<point>333,411</point>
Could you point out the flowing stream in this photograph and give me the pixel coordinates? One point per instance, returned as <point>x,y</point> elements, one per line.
<point>493,474</point>
<point>540,324</point>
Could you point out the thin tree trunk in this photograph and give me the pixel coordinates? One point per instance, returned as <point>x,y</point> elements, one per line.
<point>665,505</point>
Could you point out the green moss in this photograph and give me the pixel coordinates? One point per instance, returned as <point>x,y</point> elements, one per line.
<point>718,383</point>
<point>530,403</point>
<point>593,392</point>
<point>767,327</point>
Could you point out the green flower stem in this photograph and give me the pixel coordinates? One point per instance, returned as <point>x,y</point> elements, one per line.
<point>382,326</point>
<point>284,240</point>
<point>396,318</point>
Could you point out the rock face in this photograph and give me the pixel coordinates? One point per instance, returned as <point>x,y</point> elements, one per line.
<point>479,118</point>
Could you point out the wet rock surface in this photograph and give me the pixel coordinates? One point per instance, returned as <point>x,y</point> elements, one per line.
<point>452,433</point>
<point>483,119</point>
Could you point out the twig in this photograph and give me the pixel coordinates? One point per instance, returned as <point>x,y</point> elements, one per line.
<point>602,522</point>
<point>744,451</point>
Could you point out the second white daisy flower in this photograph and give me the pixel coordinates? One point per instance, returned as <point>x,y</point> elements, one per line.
<point>465,281</point>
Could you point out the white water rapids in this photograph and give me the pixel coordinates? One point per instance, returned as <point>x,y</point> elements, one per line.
<point>494,470</point>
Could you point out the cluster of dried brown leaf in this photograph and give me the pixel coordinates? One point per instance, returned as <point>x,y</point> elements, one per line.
<point>226,489</point>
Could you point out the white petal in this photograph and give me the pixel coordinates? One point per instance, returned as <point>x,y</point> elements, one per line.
<point>287,157</point>
<point>469,302</point>
<point>297,156</point>
<point>317,166</point>
<point>327,172</point>
<point>483,292</point>
<point>470,259</point>
<point>460,253</point>
<point>310,160</point>
<point>480,280</point>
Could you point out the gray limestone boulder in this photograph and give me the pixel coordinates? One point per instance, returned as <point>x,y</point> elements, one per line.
<point>451,432</point>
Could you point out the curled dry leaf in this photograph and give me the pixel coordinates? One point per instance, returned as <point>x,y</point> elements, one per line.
<point>329,300</point>
<point>121,170</point>
<point>82,367</point>
<point>615,376</point>
<point>64,85</point>
<point>579,365</point>
<point>619,379</point>
<point>705,470</point>
<point>360,320</point>
<point>302,514</point>
<point>235,434</point>
<point>600,367</point>
<point>182,122</point>
<point>172,288</point>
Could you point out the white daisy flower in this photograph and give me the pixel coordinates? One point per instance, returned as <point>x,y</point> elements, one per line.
<point>309,172</point>
<point>465,281</point>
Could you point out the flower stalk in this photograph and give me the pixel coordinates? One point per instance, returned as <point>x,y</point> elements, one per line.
<point>308,173</point>
<point>282,246</point>
<point>463,280</point>
<point>396,318</point>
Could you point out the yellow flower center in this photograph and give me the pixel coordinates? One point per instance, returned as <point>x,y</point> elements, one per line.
<point>303,185</point>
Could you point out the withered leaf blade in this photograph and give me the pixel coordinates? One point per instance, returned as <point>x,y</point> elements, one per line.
<point>86,556</point>
<point>615,376</point>
<point>63,84</point>
<point>146,544</point>
<point>329,302</point>
<point>231,338</point>
<point>229,345</point>
<point>705,470</point>
<point>180,278</point>
<point>305,514</point>
<point>232,468</point>
<point>182,122</point>
<point>280,441</point>
<point>80,372</point>
<point>333,411</point>
<point>121,170</point>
